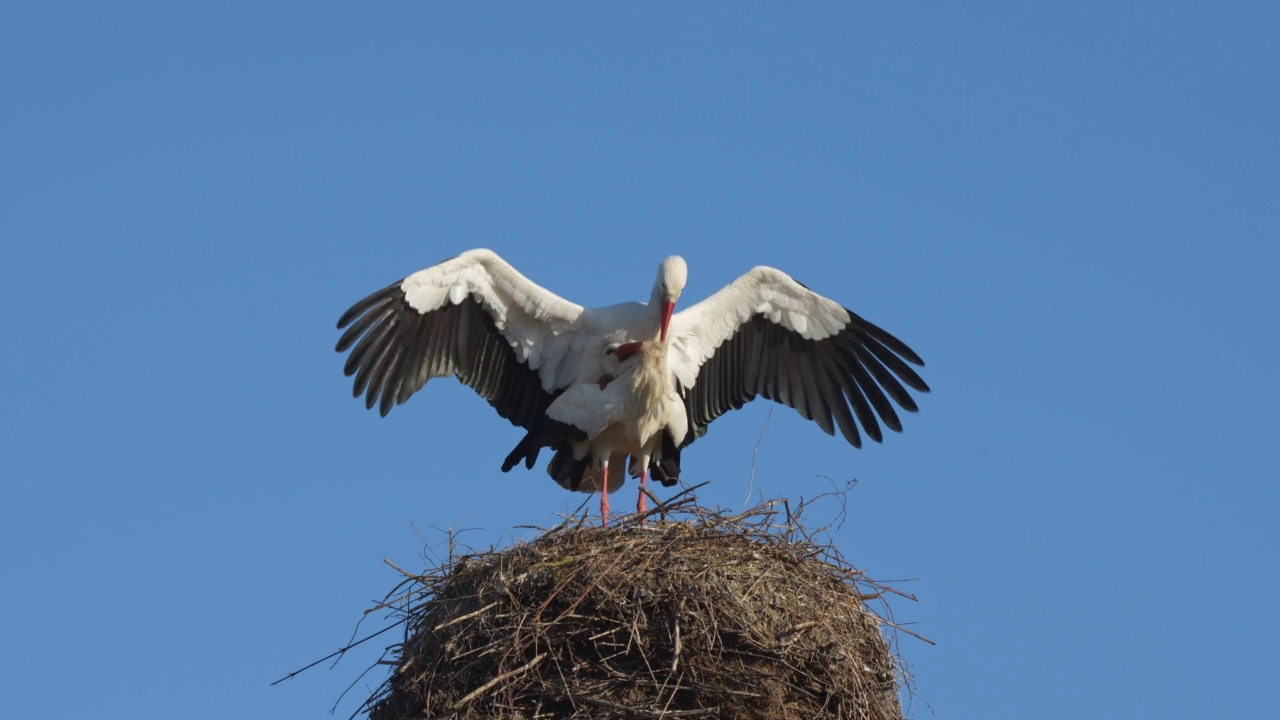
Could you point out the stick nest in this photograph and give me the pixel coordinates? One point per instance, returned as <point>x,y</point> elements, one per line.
<point>705,615</point>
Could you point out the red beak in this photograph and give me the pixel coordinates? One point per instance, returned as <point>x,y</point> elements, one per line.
<point>667,308</point>
<point>626,350</point>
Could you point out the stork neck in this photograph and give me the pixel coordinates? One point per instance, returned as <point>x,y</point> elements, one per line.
<point>653,320</point>
<point>657,296</point>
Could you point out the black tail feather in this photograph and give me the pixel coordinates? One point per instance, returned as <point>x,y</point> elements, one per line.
<point>667,468</point>
<point>565,469</point>
<point>547,433</point>
<point>527,450</point>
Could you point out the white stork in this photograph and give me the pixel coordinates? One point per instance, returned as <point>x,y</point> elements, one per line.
<point>521,347</point>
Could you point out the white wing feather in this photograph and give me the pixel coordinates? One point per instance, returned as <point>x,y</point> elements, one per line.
<point>697,332</point>
<point>540,325</point>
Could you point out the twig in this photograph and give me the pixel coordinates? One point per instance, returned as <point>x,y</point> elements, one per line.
<point>504,676</point>
<point>337,653</point>
<point>397,568</point>
<point>751,481</point>
<point>650,713</point>
<point>653,496</point>
<point>675,502</point>
<point>899,628</point>
<point>461,618</point>
<point>675,652</point>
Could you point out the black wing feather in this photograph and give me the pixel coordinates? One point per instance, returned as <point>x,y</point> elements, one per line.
<point>895,363</point>
<point>840,408</point>
<point>886,379</point>
<point>395,350</point>
<point>819,391</point>
<point>852,374</point>
<point>873,393</point>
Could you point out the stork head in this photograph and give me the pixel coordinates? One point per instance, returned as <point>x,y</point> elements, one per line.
<point>615,354</point>
<point>626,350</point>
<point>672,274</point>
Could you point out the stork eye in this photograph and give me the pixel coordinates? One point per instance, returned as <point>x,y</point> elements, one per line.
<point>609,351</point>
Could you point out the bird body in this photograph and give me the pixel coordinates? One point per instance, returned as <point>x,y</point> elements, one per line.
<point>544,364</point>
<point>625,413</point>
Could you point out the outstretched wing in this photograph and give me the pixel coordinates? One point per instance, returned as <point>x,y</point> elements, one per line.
<point>766,334</point>
<point>473,316</point>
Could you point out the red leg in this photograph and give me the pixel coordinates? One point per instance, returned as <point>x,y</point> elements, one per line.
<point>604,492</point>
<point>642,503</point>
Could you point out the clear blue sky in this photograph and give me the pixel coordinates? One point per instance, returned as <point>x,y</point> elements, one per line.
<point>1072,213</point>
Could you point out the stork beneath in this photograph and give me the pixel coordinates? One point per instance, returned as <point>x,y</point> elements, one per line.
<point>603,423</point>
<point>608,421</point>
